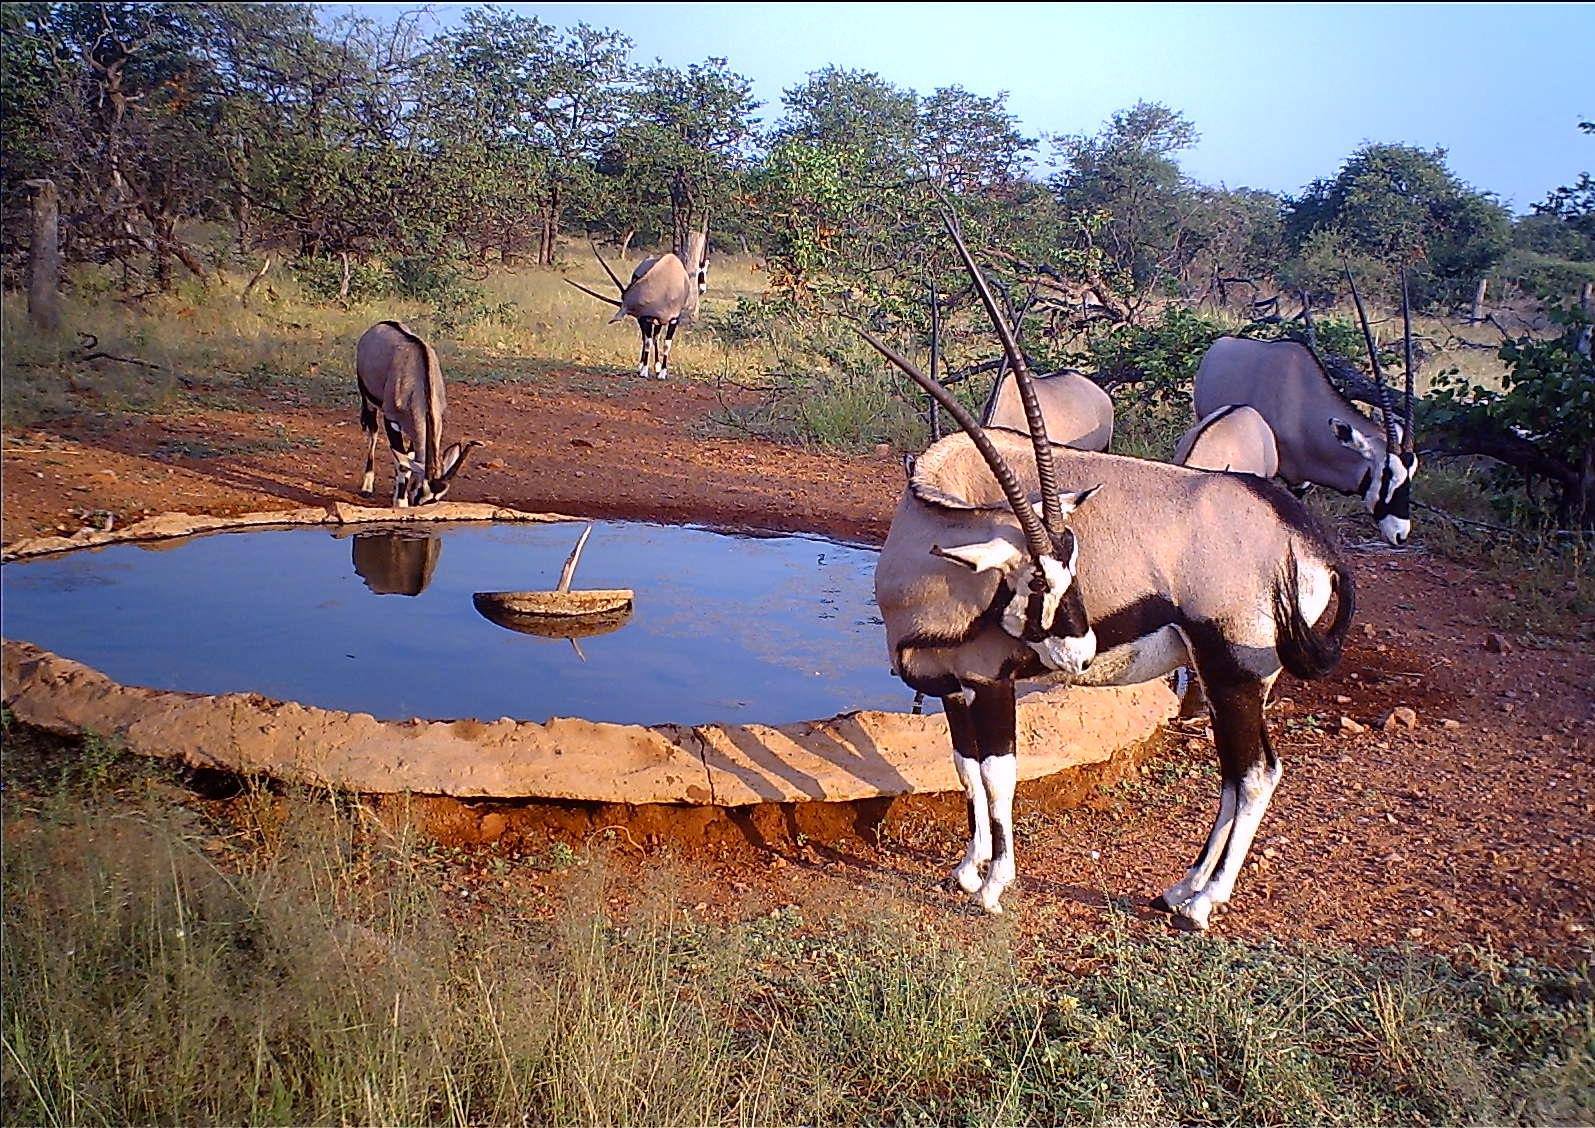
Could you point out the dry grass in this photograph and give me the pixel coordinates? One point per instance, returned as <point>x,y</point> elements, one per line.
<point>291,962</point>
<point>204,348</point>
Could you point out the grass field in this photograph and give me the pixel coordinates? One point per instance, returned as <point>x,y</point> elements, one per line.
<point>292,961</point>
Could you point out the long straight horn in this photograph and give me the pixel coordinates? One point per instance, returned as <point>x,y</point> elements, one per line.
<point>1407,445</point>
<point>619,285</point>
<point>1035,536</point>
<point>1051,510</point>
<point>1378,373</point>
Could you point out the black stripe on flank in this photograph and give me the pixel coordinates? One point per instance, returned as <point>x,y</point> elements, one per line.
<point>1137,620</point>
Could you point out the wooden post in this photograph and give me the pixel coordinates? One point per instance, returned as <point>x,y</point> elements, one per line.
<point>44,259</point>
<point>1478,299</point>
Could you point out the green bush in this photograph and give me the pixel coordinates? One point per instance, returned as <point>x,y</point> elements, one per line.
<point>321,276</point>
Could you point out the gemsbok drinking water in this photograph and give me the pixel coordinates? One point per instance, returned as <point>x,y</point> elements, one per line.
<point>401,388</point>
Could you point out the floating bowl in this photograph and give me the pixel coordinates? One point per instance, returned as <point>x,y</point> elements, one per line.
<point>557,614</point>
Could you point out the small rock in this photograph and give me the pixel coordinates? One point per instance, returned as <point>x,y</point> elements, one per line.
<point>883,449</point>
<point>1497,644</point>
<point>492,826</point>
<point>1448,723</point>
<point>1402,716</point>
<point>585,443</point>
<point>1351,727</point>
<point>1342,699</point>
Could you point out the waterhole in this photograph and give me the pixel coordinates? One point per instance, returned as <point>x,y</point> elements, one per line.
<point>725,627</point>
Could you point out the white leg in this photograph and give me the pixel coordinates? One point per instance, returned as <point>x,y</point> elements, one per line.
<point>1256,789</point>
<point>1000,774</point>
<point>1197,876</point>
<point>369,483</point>
<point>967,873</point>
<point>401,481</point>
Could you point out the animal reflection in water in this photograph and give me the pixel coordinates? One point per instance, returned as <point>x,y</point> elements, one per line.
<point>396,561</point>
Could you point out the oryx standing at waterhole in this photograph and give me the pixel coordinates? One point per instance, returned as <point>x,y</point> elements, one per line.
<point>1165,567</point>
<point>401,386</point>
<point>1322,438</point>
<point>662,291</point>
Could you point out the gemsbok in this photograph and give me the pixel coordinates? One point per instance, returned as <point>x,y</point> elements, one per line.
<point>401,386</point>
<point>1163,567</point>
<point>1079,414</point>
<point>662,292</point>
<point>1322,438</point>
<point>1234,438</point>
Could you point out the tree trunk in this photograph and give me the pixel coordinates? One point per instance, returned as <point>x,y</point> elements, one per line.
<point>1478,300</point>
<point>44,259</point>
<point>547,248</point>
<point>1586,302</point>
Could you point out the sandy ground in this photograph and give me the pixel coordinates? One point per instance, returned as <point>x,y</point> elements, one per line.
<point>1476,832</point>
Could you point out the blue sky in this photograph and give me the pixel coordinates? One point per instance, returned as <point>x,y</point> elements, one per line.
<point>1281,94</point>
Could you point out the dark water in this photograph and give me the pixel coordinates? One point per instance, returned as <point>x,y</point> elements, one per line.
<point>726,628</point>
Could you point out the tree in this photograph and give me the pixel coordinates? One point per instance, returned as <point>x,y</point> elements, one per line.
<point>1541,423</point>
<point>1396,205</point>
<point>687,138</point>
<point>1126,177</point>
<point>858,115</point>
<point>527,109</point>
<point>1573,205</point>
<point>970,144</point>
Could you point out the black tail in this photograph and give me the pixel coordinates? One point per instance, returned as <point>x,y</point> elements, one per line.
<point>1304,653</point>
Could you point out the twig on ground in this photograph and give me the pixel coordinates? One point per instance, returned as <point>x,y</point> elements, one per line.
<point>1506,530</point>
<point>89,350</point>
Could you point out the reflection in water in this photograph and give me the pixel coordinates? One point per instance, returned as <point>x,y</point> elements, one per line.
<point>397,561</point>
<point>723,628</point>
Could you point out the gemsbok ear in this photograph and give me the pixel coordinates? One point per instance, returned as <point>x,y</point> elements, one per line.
<point>454,457</point>
<point>1069,501</point>
<point>1348,436</point>
<point>1072,501</point>
<point>981,557</point>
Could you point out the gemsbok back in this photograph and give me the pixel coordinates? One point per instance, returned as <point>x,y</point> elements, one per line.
<point>401,385</point>
<point>1164,567</point>
<point>1235,438</point>
<point>662,292</point>
<point>1079,414</point>
<point>1322,438</point>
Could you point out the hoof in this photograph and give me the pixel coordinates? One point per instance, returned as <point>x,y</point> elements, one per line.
<point>1195,913</point>
<point>967,878</point>
<point>1160,904</point>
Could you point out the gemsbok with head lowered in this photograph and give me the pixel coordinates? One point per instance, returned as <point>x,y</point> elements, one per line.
<point>1163,567</point>
<point>1322,438</point>
<point>401,387</point>
<point>662,292</point>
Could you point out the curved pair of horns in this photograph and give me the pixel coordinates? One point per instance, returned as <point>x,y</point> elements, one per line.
<point>1403,443</point>
<point>1036,538</point>
<point>448,474</point>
